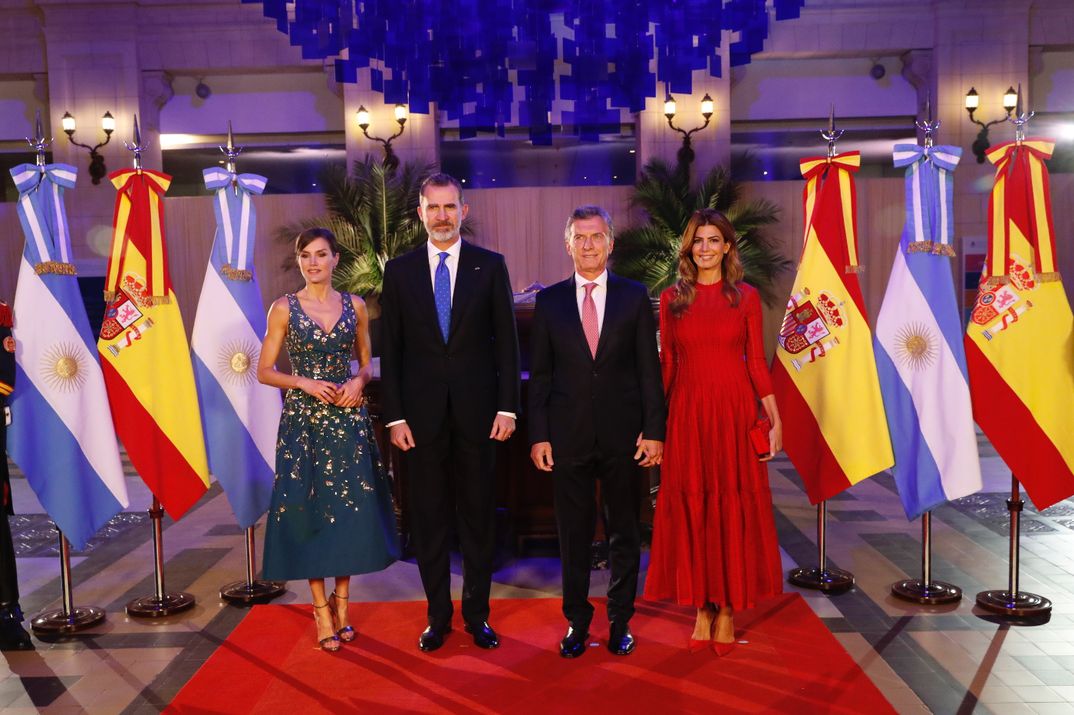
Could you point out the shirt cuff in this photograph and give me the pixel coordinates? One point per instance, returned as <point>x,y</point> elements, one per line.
<point>512,415</point>
<point>393,424</point>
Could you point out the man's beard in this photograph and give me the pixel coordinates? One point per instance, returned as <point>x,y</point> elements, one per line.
<point>444,233</point>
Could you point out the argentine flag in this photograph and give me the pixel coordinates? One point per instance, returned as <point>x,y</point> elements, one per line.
<point>241,416</point>
<point>919,349</point>
<point>61,433</point>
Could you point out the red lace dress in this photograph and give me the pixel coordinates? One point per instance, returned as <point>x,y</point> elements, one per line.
<point>714,538</point>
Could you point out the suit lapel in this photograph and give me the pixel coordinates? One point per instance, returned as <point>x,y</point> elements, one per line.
<point>419,274</point>
<point>611,311</point>
<point>464,286</point>
<point>574,317</point>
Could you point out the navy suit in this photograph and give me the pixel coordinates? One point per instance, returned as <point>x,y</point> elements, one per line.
<point>449,394</point>
<point>592,410</point>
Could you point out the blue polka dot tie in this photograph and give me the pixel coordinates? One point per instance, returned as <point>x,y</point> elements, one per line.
<point>442,294</point>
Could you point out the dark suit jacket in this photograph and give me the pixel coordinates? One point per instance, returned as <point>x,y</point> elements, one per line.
<point>472,377</point>
<point>578,402</point>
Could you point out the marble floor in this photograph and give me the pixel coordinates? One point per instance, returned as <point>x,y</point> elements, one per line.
<point>950,659</point>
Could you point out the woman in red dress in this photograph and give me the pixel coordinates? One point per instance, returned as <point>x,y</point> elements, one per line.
<point>714,538</point>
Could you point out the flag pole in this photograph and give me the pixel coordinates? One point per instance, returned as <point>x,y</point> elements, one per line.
<point>160,604</point>
<point>820,577</point>
<point>1012,602</point>
<point>251,591</point>
<point>68,618</point>
<point>924,590</point>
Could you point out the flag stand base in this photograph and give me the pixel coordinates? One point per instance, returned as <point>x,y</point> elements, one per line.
<point>68,618</point>
<point>924,590</point>
<point>1018,605</point>
<point>59,621</point>
<point>822,578</point>
<point>1012,602</point>
<point>251,591</point>
<point>160,604</point>
<point>827,580</point>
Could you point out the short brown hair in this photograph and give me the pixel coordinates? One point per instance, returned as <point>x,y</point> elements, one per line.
<point>441,179</point>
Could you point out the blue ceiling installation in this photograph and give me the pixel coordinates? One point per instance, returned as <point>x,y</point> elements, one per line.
<point>481,61</point>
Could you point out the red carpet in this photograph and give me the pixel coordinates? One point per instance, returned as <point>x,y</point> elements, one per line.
<point>791,664</point>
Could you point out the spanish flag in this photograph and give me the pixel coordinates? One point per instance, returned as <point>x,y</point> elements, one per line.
<point>144,352</point>
<point>824,372</point>
<point>1019,338</point>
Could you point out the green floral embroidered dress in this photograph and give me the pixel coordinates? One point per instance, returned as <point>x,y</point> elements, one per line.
<point>331,512</point>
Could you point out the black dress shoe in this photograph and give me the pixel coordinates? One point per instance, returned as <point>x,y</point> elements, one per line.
<point>432,638</point>
<point>484,636</point>
<point>573,644</point>
<point>620,639</point>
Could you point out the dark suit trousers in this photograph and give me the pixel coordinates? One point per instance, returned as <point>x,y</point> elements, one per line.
<point>9,579</point>
<point>451,480</point>
<point>575,494</point>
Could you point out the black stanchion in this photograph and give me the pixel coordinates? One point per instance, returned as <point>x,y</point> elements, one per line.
<point>820,577</point>
<point>251,591</point>
<point>1012,602</point>
<point>68,619</point>
<point>160,604</point>
<point>925,590</point>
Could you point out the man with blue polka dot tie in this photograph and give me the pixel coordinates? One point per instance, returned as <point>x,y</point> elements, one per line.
<point>450,391</point>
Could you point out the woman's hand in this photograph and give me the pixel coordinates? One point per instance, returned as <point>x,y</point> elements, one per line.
<point>350,394</point>
<point>775,441</point>
<point>321,390</point>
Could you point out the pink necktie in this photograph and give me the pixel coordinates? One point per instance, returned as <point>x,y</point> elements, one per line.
<point>589,319</point>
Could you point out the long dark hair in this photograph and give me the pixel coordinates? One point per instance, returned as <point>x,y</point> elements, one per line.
<point>730,266</point>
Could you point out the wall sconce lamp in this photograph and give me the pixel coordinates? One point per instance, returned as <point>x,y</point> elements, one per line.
<point>686,152</point>
<point>391,161</point>
<point>97,168</point>
<point>973,101</point>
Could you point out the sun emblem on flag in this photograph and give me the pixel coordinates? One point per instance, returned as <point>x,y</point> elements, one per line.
<point>63,368</point>
<point>236,362</point>
<point>915,346</point>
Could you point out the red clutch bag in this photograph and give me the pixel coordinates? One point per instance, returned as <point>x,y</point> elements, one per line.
<point>759,437</point>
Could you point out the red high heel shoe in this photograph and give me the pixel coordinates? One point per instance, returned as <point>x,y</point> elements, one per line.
<point>695,645</point>
<point>722,649</point>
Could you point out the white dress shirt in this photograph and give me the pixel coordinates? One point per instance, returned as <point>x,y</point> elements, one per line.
<point>600,295</point>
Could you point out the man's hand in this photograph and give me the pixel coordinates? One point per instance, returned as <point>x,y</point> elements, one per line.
<point>350,394</point>
<point>650,452</point>
<point>541,454</point>
<point>502,428</point>
<point>401,436</point>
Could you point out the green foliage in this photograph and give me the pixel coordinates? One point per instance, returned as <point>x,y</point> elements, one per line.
<point>373,213</point>
<point>649,253</point>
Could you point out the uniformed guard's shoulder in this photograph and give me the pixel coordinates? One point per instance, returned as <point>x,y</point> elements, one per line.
<point>6,319</point>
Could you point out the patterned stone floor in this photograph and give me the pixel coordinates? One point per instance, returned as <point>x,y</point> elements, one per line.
<point>952,659</point>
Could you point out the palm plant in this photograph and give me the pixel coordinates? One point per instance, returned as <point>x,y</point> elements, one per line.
<point>373,214</point>
<point>650,253</point>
